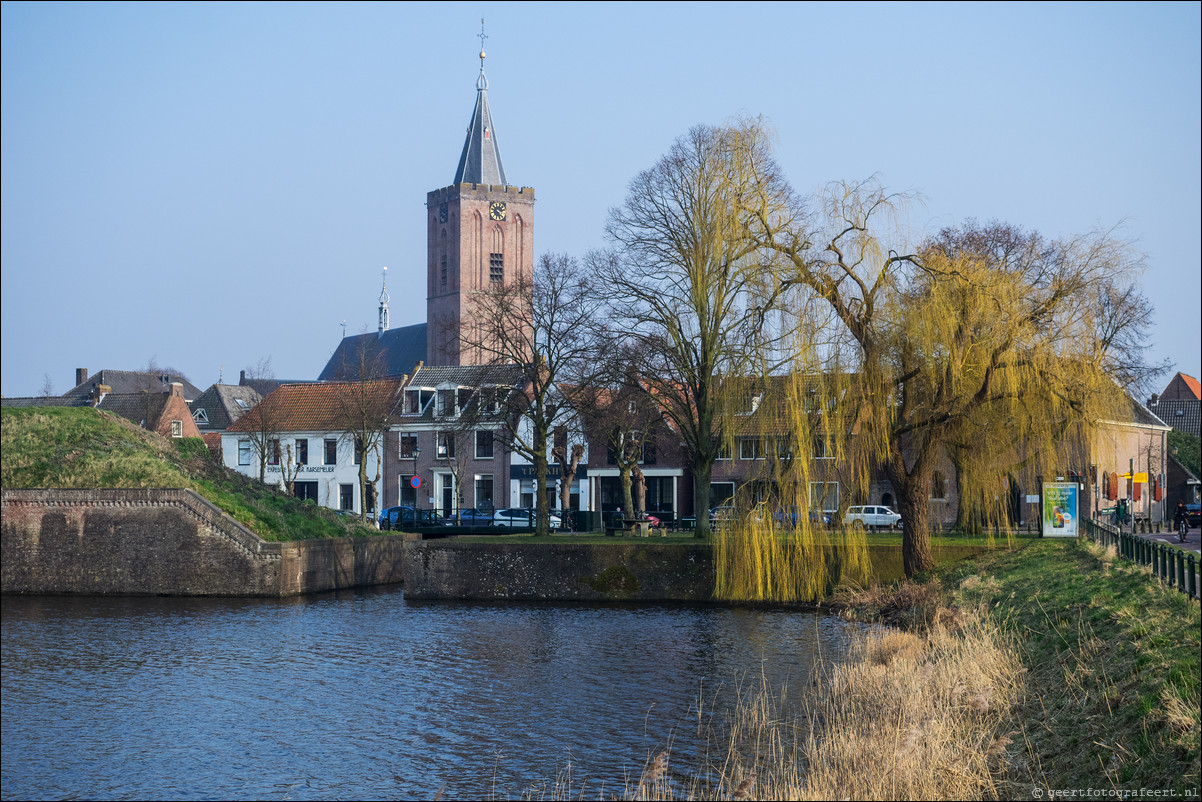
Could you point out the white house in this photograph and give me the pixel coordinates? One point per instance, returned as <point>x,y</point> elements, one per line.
<point>314,437</point>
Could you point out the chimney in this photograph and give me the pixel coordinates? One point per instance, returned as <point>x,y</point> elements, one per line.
<point>81,376</point>
<point>242,377</point>
<point>99,391</point>
<point>177,389</point>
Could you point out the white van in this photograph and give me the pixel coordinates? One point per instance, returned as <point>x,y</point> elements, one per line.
<point>872,517</point>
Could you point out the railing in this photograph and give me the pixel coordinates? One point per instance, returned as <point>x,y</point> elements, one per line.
<point>1177,568</point>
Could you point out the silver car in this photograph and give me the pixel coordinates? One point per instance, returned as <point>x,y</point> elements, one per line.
<point>872,516</point>
<point>521,517</point>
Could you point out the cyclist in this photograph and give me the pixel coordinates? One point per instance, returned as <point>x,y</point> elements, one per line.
<point>1181,521</point>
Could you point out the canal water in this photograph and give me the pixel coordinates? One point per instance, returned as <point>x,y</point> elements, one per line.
<point>363,695</point>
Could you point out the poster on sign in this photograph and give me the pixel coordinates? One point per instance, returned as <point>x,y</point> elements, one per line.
<point>1060,509</point>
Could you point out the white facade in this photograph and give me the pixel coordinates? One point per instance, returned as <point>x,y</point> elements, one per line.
<point>522,483</point>
<point>323,466</point>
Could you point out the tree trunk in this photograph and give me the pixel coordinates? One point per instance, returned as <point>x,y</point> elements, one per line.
<point>627,498</point>
<point>542,523</point>
<point>701,497</point>
<point>916,532</point>
<point>640,489</point>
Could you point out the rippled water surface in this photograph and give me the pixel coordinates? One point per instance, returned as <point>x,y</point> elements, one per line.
<point>365,696</point>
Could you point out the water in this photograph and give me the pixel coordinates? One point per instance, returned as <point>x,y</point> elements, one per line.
<point>366,696</point>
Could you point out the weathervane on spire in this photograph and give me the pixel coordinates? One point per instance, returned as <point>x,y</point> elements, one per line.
<point>483,36</point>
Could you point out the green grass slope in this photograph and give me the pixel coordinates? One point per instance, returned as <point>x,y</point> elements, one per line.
<point>83,448</point>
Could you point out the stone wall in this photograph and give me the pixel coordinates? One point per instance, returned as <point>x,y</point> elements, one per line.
<point>438,569</point>
<point>169,542</point>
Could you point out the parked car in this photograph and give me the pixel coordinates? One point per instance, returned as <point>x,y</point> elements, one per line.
<point>872,517</point>
<point>1193,513</point>
<point>522,517</point>
<point>471,517</point>
<point>400,517</point>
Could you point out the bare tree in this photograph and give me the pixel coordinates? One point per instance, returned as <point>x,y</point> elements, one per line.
<point>543,326</point>
<point>699,295</point>
<point>263,424</point>
<point>365,406</point>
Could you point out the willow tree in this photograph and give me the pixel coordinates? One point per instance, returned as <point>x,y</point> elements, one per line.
<point>951,340</point>
<point>691,286</point>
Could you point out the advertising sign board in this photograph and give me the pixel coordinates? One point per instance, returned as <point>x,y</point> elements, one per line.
<point>1060,509</point>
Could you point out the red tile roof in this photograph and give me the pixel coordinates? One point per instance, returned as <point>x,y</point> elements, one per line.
<point>321,407</point>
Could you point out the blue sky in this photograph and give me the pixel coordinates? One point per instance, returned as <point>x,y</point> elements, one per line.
<point>205,185</point>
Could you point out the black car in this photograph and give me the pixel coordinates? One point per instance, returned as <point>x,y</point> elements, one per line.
<point>1193,513</point>
<point>401,517</point>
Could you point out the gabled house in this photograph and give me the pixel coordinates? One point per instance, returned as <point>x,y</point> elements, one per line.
<point>314,437</point>
<point>446,448</point>
<point>166,413</point>
<point>220,406</point>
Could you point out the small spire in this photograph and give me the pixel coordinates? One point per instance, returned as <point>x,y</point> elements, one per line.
<point>383,304</point>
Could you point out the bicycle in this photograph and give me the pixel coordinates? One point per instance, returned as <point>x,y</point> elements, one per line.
<point>1182,529</point>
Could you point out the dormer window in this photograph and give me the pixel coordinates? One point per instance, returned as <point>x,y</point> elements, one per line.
<point>201,417</point>
<point>447,403</point>
<point>242,405</point>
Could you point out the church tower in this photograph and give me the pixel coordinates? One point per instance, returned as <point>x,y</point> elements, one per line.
<point>480,235</point>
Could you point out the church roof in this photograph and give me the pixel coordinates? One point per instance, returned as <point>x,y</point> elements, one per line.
<point>480,162</point>
<point>391,353</point>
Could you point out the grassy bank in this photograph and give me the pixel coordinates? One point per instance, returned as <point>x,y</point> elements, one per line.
<point>83,448</point>
<point>1112,695</point>
<point>1012,675</point>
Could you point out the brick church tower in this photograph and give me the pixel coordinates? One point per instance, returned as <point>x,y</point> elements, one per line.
<point>480,235</point>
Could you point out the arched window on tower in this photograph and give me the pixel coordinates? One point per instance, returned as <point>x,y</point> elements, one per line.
<point>442,258</point>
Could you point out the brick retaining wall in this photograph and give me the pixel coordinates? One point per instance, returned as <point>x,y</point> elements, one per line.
<point>169,542</point>
<point>439,569</point>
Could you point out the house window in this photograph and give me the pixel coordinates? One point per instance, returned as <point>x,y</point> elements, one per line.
<point>721,493</point>
<point>177,428</point>
<point>273,452</point>
<point>244,452</point>
<point>201,417</point>
<point>446,445</point>
<point>302,452</point>
<point>748,448</point>
<point>408,493</point>
<point>820,449</point>
<point>649,451</point>
<point>331,451</point>
<point>408,446</point>
<point>490,400</point>
<point>824,496</point>
<point>723,450</point>
<point>446,402</point>
<point>484,499</point>
<point>443,271</point>
<point>346,497</point>
<point>358,450</point>
<point>937,488</point>
<point>496,268</point>
<point>484,445</point>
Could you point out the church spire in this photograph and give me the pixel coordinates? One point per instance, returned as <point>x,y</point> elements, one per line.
<point>383,305</point>
<point>480,162</point>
